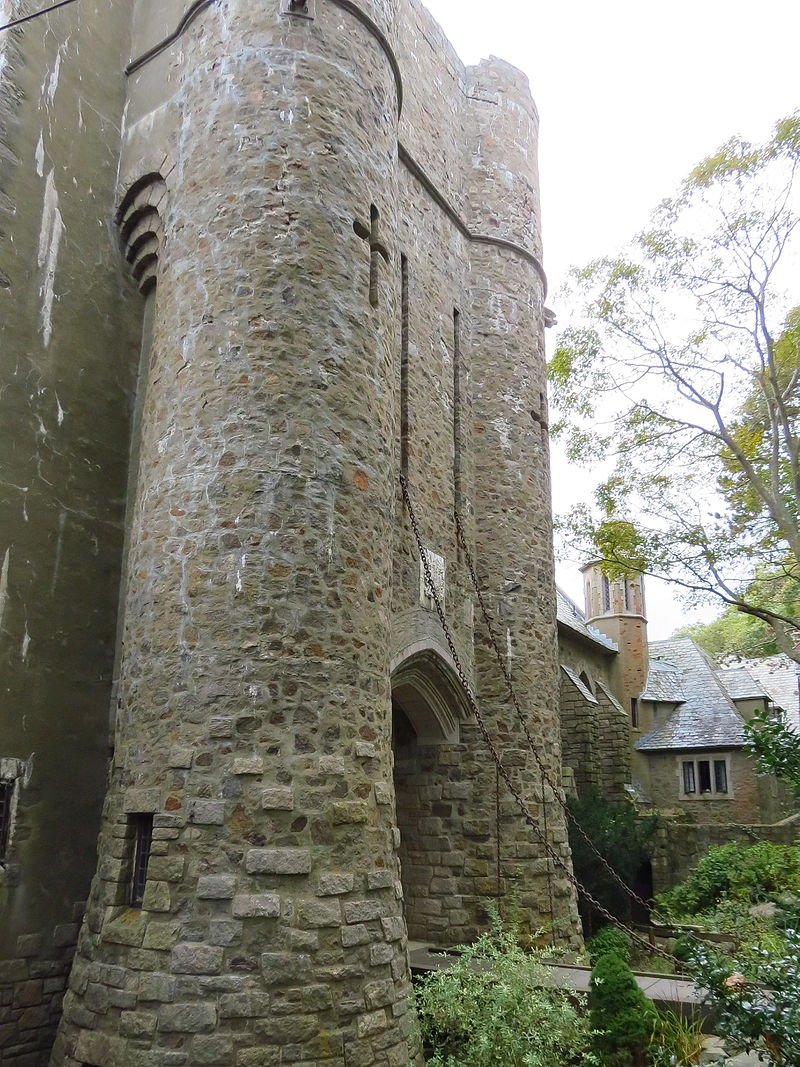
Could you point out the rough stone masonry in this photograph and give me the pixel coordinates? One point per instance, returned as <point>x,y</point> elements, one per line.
<point>256,260</point>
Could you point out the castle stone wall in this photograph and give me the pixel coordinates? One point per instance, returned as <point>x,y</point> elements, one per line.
<point>68,347</point>
<point>337,228</point>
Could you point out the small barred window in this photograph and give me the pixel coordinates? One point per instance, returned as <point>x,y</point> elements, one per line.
<point>142,844</point>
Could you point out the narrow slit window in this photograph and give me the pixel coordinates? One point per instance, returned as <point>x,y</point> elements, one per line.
<point>688,777</point>
<point>634,712</point>
<point>142,844</point>
<point>6,791</point>
<point>404,312</point>
<point>606,594</point>
<point>720,776</point>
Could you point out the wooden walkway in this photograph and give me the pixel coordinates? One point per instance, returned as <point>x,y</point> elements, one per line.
<point>661,989</point>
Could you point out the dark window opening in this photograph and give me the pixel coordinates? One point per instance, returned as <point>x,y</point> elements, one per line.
<point>634,712</point>
<point>720,776</point>
<point>606,594</point>
<point>6,792</point>
<point>586,682</point>
<point>688,778</point>
<point>142,844</point>
<point>704,774</point>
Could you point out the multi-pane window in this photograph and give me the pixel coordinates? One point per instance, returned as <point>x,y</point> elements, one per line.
<point>6,793</point>
<point>704,777</point>
<point>142,843</point>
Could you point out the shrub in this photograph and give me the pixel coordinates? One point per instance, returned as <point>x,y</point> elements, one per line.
<point>738,872</point>
<point>620,835</point>
<point>621,1016</point>
<point>610,939</point>
<point>497,1007</point>
<point>754,998</point>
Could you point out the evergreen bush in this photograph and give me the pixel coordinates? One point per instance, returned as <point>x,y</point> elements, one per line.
<point>610,939</point>
<point>621,1017</point>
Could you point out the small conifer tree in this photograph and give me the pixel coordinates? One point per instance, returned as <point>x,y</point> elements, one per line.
<point>621,1016</point>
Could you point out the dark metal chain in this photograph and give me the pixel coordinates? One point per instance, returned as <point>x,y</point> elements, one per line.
<point>518,799</point>
<point>523,722</point>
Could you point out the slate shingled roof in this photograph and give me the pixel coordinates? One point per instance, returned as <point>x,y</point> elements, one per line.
<point>571,616</point>
<point>663,682</point>
<point>708,717</point>
<point>741,685</point>
<point>780,677</point>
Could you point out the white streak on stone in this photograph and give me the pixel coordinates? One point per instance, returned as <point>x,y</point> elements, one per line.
<point>239,569</point>
<point>40,156</point>
<point>52,81</point>
<point>59,411</point>
<point>62,521</point>
<point>509,650</point>
<point>49,241</point>
<point>26,643</point>
<point>4,584</point>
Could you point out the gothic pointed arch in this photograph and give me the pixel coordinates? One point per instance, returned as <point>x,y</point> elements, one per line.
<point>426,688</point>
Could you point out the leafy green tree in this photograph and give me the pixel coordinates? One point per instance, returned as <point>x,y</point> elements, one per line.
<point>776,748</point>
<point>680,371</point>
<point>737,634</point>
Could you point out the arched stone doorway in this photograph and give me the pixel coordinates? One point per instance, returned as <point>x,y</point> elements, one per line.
<point>432,800</point>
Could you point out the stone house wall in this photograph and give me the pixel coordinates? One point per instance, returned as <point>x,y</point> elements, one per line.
<point>751,798</point>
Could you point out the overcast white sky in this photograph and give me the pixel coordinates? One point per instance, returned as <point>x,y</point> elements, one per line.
<point>631,95</point>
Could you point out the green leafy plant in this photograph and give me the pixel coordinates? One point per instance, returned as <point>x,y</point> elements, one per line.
<point>622,1018</point>
<point>745,873</point>
<point>775,746</point>
<point>610,939</point>
<point>675,1041</point>
<point>497,1007</point>
<point>754,998</point>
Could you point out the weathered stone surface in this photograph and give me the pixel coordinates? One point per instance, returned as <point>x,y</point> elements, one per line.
<point>315,323</point>
<point>278,861</point>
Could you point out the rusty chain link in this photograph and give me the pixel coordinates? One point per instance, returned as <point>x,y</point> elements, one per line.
<point>518,799</point>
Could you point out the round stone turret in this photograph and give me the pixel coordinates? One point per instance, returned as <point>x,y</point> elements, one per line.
<point>247,899</point>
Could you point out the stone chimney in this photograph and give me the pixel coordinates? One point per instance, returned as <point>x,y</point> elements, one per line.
<point>616,607</point>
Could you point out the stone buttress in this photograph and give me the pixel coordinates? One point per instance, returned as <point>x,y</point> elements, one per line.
<point>252,742</point>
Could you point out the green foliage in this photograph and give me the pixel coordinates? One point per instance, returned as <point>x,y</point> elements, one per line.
<point>754,998</point>
<point>621,1016</point>
<point>679,369</point>
<point>733,872</point>
<point>620,835</point>
<point>775,746</point>
<point>610,939</point>
<point>675,1041</point>
<point>497,1007</point>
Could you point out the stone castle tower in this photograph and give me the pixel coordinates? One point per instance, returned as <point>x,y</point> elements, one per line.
<point>255,261</point>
